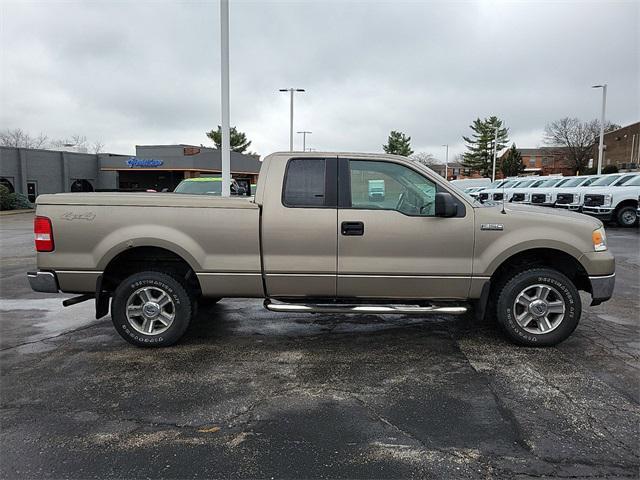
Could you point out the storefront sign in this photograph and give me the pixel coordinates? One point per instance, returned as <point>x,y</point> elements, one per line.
<point>143,162</point>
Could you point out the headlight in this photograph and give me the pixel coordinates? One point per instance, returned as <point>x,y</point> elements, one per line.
<point>547,198</point>
<point>527,197</point>
<point>599,240</point>
<point>607,200</point>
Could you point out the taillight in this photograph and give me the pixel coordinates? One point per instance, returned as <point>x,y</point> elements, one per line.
<point>44,234</point>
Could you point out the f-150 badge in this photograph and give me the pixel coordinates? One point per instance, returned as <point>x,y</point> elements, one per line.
<point>492,226</point>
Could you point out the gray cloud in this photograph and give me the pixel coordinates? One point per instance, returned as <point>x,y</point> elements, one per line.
<point>148,72</point>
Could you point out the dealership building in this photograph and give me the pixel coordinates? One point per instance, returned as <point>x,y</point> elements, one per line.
<point>153,167</point>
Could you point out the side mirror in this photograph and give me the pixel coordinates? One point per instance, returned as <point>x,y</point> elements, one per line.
<point>445,205</point>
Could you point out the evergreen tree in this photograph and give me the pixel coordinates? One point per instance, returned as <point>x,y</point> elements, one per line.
<point>512,164</point>
<point>239,142</point>
<point>399,144</point>
<point>479,154</point>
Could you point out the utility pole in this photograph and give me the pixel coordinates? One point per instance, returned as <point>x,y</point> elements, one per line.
<point>224,72</point>
<point>495,156</point>
<point>446,162</point>
<point>291,91</point>
<point>304,139</point>
<point>604,107</point>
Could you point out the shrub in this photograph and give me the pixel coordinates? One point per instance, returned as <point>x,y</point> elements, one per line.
<point>7,199</point>
<point>610,169</point>
<point>21,201</point>
<point>13,201</point>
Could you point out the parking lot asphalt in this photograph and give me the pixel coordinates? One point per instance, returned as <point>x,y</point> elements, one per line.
<point>253,394</point>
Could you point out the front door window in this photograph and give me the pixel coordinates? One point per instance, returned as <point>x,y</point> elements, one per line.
<point>389,186</point>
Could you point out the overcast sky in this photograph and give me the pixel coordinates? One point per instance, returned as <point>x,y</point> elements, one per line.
<point>148,72</point>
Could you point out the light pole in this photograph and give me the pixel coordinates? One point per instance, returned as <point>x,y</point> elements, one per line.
<point>601,145</point>
<point>224,73</point>
<point>304,139</point>
<point>446,161</point>
<point>495,156</point>
<point>291,90</point>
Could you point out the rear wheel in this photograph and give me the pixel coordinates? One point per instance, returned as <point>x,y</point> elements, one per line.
<point>151,309</point>
<point>538,307</point>
<point>627,216</point>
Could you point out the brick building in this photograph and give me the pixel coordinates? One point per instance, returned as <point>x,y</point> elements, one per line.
<point>621,148</point>
<point>544,161</point>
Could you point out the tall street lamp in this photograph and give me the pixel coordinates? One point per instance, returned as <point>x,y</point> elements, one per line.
<point>446,161</point>
<point>604,106</point>
<point>304,139</point>
<point>291,90</point>
<point>225,146</point>
<point>495,156</point>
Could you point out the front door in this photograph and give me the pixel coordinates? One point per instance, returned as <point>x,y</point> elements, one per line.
<point>390,244</point>
<point>299,233</point>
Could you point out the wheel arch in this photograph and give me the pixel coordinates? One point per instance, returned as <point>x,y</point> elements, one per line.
<point>542,257</point>
<point>123,262</point>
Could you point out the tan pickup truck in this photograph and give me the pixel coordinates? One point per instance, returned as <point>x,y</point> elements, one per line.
<point>326,232</point>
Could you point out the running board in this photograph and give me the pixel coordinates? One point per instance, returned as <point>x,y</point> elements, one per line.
<point>371,309</point>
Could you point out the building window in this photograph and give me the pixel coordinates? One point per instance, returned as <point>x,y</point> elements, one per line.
<point>532,161</point>
<point>7,183</point>
<point>81,185</point>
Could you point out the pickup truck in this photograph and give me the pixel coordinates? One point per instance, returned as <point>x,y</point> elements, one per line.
<point>312,240</point>
<point>618,203</point>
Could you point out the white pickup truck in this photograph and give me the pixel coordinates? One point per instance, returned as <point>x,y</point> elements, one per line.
<point>618,203</point>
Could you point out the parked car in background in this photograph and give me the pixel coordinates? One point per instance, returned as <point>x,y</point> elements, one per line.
<point>543,194</point>
<point>566,198</point>
<point>618,202</point>
<point>207,186</point>
<point>572,198</point>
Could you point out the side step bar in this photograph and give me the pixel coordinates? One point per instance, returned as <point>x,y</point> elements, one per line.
<point>372,309</point>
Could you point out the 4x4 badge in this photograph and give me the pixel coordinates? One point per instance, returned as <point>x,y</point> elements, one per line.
<point>492,226</point>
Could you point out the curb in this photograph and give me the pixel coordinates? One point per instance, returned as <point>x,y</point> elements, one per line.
<point>16,212</point>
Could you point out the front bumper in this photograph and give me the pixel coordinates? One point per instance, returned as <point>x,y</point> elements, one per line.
<point>599,212</point>
<point>568,206</point>
<point>602,288</point>
<point>43,282</point>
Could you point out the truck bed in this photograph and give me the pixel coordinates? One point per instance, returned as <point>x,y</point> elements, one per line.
<point>144,199</point>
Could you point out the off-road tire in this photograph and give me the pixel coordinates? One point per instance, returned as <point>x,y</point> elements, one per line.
<point>182,302</point>
<point>538,276</point>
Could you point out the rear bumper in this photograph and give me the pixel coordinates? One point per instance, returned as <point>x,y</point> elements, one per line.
<point>43,282</point>
<point>602,288</point>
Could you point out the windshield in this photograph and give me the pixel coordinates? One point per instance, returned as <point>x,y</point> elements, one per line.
<point>537,183</point>
<point>525,184</point>
<point>564,182</point>
<point>201,187</point>
<point>604,181</point>
<point>508,184</point>
<point>550,183</point>
<point>574,182</point>
<point>626,180</point>
<point>635,182</point>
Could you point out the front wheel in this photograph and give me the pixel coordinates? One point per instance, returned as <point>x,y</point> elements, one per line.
<point>539,307</point>
<point>151,309</point>
<point>627,216</point>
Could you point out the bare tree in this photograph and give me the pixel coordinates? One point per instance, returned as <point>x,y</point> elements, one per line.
<point>578,138</point>
<point>424,158</point>
<point>17,137</point>
<point>97,147</point>
<point>79,142</point>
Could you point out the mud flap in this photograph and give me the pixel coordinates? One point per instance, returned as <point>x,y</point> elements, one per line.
<point>102,299</point>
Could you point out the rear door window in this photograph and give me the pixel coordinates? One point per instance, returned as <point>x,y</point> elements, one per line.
<point>304,184</point>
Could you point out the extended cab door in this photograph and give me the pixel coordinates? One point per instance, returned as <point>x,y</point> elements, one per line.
<point>299,233</point>
<point>390,244</point>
